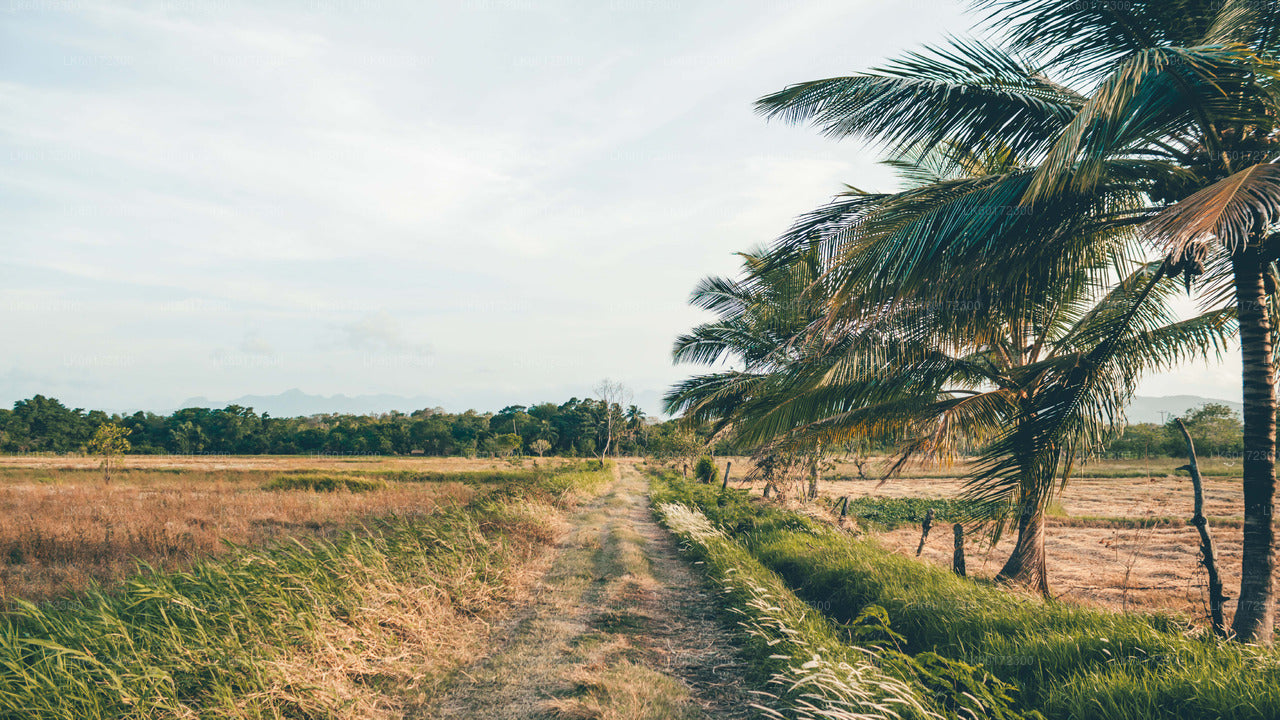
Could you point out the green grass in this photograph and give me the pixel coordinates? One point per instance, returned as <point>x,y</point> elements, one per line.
<point>889,513</point>
<point>815,667</point>
<point>323,483</point>
<point>211,641</point>
<point>1067,660</point>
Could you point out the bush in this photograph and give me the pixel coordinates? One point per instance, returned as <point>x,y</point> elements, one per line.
<point>706,471</point>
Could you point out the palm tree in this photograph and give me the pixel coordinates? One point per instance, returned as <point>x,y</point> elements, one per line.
<point>1173,101</point>
<point>901,373</point>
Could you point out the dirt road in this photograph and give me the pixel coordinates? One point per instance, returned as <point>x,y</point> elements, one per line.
<point>618,627</point>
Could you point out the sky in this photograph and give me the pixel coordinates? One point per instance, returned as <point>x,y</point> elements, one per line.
<point>482,202</point>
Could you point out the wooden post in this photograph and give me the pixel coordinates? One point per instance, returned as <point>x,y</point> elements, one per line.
<point>1216,598</point>
<point>725,485</point>
<point>924,530</point>
<point>767,488</point>
<point>957,555</point>
<point>844,508</point>
<point>684,470</point>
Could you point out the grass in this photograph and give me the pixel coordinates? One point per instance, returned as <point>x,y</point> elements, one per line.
<point>324,483</point>
<point>813,666</point>
<point>1067,660</point>
<point>892,512</point>
<point>350,626</point>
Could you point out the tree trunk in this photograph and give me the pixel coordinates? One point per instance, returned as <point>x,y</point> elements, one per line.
<point>957,551</point>
<point>1027,565</point>
<point>1255,611</point>
<point>1216,600</point>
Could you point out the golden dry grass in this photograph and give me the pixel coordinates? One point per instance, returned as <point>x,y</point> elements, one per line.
<point>62,528</point>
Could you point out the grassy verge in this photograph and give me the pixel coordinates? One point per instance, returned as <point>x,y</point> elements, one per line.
<point>351,627</point>
<point>1067,660</point>
<point>818,668</point>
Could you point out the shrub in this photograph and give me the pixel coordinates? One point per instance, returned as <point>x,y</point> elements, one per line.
<point>706,471</point>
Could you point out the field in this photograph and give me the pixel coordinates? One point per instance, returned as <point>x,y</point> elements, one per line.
<point>262,587</point>
<point>65,528</point>
<point>1118,538</point>
<point>431,588</point>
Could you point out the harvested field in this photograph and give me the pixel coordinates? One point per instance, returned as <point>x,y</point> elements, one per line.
<point>1118,537</point>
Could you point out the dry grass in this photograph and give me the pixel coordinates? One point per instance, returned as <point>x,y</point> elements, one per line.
<point>1096,553</point>
<point>62,528</point>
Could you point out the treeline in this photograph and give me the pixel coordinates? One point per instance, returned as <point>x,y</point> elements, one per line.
<point>577,428</point>
<point>1216,430</point>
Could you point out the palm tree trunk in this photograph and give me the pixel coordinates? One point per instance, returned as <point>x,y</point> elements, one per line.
<point>1026,565</point>
<point>1255,611</point>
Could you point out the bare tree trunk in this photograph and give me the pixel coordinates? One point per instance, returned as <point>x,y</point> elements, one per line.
<point>1255,611</point>
<point>1216,599</point>
<point>1027,563</point>
<point>725,484</point>
<point>957,553</point>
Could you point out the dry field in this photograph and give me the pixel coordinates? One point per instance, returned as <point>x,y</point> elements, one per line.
<point>1097,553</point>
<point>62,528</point>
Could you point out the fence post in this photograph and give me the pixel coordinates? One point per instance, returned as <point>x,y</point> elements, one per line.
<point>924,530</point>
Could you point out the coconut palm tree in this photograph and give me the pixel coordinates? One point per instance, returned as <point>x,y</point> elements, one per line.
<point>903,372</point>
<point>1173,100</point>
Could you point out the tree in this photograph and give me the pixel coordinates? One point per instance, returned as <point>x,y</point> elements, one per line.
<point>503,445</point>
<point>1174,102</point>
<point>540,446</point>
<point>1215,429</point>
<point>916,371</point>
<point>108,441</point>
<point>612,395</point>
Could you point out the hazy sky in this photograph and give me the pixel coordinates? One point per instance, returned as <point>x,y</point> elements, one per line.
<point>482,201</point>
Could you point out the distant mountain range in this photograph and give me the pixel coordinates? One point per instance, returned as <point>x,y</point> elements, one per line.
<point>293,403</point>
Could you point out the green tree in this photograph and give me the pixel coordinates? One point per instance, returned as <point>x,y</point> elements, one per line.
<point>109,441</point>
<point>1215,428</point>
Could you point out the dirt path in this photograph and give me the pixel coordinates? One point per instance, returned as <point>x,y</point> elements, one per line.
<point>619,627</point>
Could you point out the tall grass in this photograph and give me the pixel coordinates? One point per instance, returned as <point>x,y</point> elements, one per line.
<point>291,631</point>
<point>1067,660</point>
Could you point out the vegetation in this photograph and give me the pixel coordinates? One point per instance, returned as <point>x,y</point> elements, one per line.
<point>295,630</point>
<point>324,483</point>
<point>818,668</point>
<point>921,374</point>
<point>706,471</point>
<point>108,441</point>
<point>889,513</point>
<point>1215,429</point>
<point>1043,167</point>
<point>1064,660</point>
<point>577,428</point>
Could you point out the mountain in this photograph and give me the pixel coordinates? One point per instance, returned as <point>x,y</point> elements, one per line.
<point>294,403</point>
<point>1160,409</point>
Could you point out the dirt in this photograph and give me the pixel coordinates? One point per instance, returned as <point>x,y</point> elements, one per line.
<point>619,627</point>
